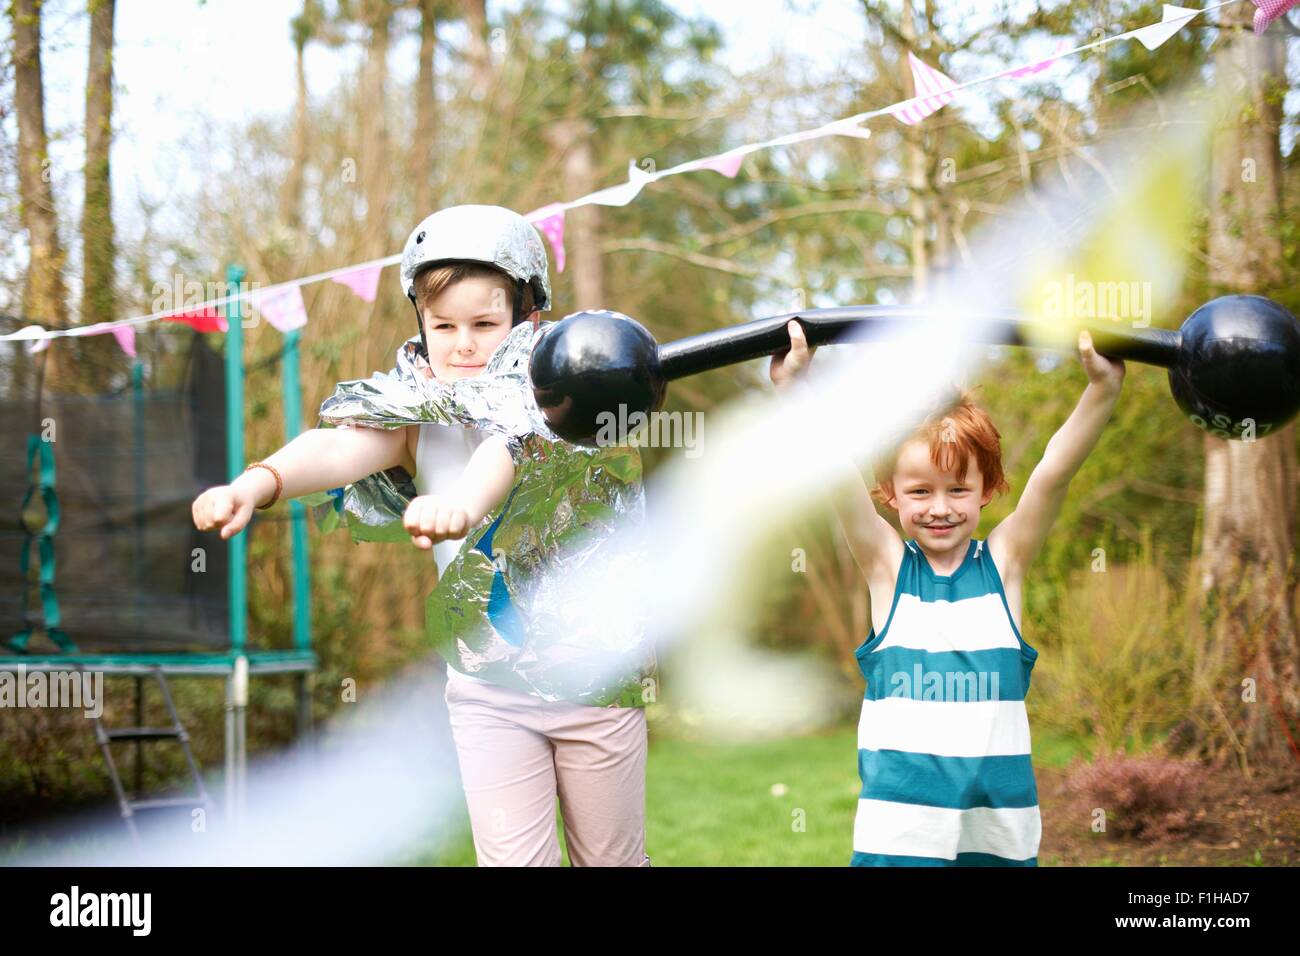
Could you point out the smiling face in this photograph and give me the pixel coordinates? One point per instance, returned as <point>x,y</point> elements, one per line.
<point>934,506</point>
<point>463,325</point>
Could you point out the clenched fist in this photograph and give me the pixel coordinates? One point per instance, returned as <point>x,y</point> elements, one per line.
<point>1106,373</point>
<point>225,507</point>
<point>788,364</point>
<point>434,518</point>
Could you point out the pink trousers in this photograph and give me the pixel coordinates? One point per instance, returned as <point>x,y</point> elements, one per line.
<point>519,753</point>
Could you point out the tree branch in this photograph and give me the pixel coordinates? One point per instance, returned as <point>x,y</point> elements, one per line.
<point>694,258</point>
<point>810,209</point>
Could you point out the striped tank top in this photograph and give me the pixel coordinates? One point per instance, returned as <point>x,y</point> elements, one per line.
<point>943,741</point>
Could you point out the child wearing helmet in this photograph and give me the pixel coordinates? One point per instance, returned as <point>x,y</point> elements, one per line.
<point>474,275</point>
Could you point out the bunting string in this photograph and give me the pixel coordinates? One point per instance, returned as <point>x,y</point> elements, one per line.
<point>281,303</point>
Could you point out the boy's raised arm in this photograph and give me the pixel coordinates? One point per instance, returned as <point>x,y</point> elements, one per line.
<point>1021,534</point>
<point>316,460</point>
<point>873,542</point>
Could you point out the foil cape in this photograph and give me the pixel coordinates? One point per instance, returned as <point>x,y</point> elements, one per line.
<point>495,613</point>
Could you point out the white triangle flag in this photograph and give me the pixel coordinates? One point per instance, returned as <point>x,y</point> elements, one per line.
<point>623,193</point>
<point>34,344</point>
<point>1172,20</point>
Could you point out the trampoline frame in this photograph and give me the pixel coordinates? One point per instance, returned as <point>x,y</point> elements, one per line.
<point>237,664</point>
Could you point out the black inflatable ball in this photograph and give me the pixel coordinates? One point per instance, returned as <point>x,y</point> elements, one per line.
<point>589,364</point>
<point>1238,362</point>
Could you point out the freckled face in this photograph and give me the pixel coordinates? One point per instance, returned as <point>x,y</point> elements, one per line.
<point>933,506</point>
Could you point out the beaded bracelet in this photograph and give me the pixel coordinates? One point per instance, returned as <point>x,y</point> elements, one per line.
<point>279,482</point>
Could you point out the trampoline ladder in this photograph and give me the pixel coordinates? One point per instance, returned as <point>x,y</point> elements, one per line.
<point>129,805</point>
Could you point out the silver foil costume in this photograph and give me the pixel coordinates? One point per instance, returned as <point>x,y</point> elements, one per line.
<point>495,613</point>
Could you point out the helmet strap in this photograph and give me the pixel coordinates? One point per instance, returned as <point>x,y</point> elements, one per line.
<point>518,310</point>
<point>424,344</point>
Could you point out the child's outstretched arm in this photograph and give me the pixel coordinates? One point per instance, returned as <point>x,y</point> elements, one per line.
<point>1020,535</point>
<point>316,460</point>
<point>482,486</point>
<point>875,545</point>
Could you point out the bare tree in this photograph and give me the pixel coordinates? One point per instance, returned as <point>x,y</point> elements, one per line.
<point>304,28</point>
<point>571,139</point>
<point>374,162</point>
<point>426,112</point>
<point>98,243</point>
<point>917,178</point>
<point>1250,487</point>
<point>44,298</point>
<point>480,58</point>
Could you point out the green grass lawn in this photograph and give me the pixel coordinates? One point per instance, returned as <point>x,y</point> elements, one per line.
<point>715,804</point>
<point>791,802</point>
<point>775,803</point>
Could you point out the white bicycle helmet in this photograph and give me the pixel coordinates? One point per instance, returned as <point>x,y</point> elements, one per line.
<point>490,235</point>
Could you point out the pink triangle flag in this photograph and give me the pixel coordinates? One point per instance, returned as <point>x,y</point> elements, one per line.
<point>363,282</point>
<point>933,91</point>
<point>549,220</point>
<point>726,163</point>
<point>282,307</point>
<point>125,335</point>
<point>1270,10</point>
<point>1038,67</point>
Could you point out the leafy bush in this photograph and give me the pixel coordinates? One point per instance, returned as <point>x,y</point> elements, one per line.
<point>1149,797</point>
<point>1117,668</point>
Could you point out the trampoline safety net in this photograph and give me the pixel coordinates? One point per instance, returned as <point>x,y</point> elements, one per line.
<point>126,574</point>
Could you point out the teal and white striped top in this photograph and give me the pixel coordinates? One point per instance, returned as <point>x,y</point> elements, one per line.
<point>943,741</point>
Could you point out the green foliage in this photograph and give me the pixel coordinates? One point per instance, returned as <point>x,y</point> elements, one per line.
<point>1118,669</point>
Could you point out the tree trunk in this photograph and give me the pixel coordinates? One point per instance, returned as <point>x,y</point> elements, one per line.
<point>917,180</point>
<point>480,57</point>
<point>43,292</point>
<point>571,138</point>
<point>292,197</point>
<point>375,163</point>
<point>98,301</point>
<point>1250,487</point>
<point>426,114</point>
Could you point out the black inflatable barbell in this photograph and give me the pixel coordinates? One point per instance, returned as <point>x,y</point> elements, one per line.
<point>1234,365</point>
